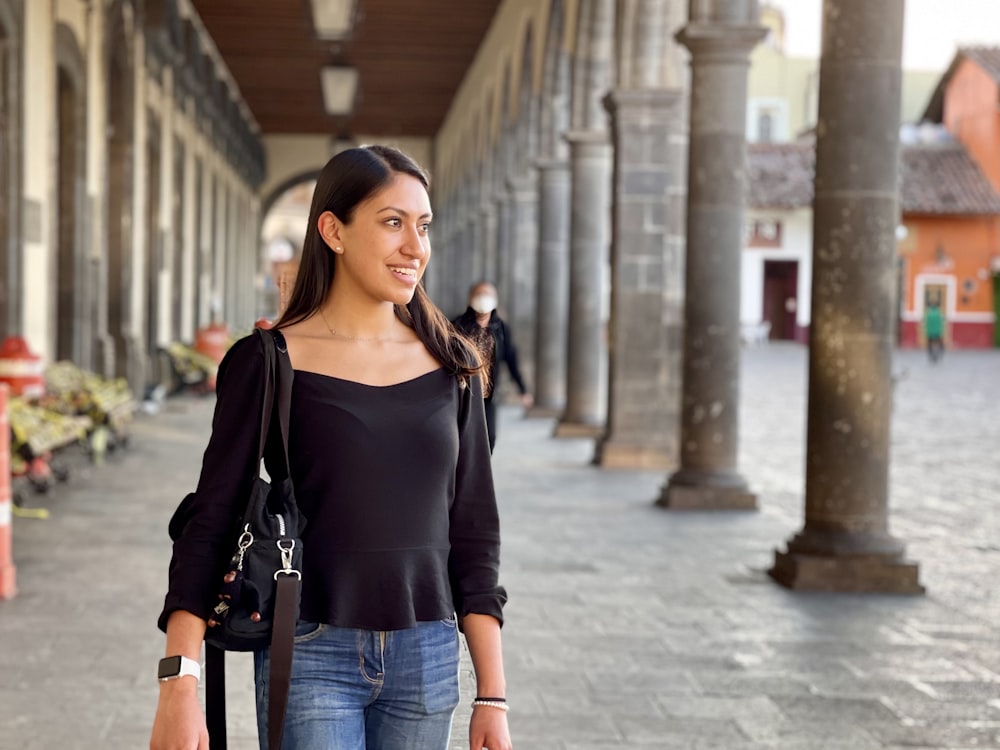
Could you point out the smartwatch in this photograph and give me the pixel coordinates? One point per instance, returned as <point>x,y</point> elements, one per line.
<point>173,667</point>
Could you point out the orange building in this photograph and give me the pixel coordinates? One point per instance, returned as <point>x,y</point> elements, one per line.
<point>949,238</point>
<point>961,259</point>
<point>949,242</point>
<point>949,195</point>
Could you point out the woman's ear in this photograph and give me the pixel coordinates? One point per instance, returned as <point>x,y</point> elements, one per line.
<point>329,229</point>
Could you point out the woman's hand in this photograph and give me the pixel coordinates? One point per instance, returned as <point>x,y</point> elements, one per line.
<point>179,722</point>
<point>488,729</point>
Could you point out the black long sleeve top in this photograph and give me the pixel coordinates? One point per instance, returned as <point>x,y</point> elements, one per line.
<point>394,482</point>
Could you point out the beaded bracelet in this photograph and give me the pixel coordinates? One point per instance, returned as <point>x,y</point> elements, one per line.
<point>501,704</point>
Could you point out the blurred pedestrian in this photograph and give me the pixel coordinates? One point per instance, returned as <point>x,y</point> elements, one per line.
<point>934,330</point>
<point>482,323</point>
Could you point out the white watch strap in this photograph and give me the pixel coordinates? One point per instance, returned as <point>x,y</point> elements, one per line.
<point>188,667</point>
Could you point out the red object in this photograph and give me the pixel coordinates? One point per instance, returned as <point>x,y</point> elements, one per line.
<point>212,341</point>
<point>21,369</point>
<point>263,323</point>
<point>8,585</point>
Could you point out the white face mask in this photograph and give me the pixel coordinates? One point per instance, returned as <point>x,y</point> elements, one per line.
<point>483,303</point>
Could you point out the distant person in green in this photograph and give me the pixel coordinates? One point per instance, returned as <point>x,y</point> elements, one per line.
<point>934,330</point>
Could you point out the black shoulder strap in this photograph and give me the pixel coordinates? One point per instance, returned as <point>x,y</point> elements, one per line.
<point>215,695</point>
<point>267,407</point>
<point>283,374</point>
<point>277,369</point>
<point>288,588</point>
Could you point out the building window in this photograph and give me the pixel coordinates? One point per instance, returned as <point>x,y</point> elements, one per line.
<point>765,127</point>
<point>763,233</point>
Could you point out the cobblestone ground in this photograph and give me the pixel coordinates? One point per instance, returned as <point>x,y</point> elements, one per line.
<point>628,626</point>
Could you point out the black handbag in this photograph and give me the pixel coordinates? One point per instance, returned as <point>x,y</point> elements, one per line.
<point>259,598</point>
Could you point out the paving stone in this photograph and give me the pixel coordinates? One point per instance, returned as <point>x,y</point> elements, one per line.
<point>628,626</point>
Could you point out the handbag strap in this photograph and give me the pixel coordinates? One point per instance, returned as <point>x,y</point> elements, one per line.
<point>286,612</point>
<point>287,587</point>
<point>277,368</point>
<point>283,374</point>
<point>215,695</point>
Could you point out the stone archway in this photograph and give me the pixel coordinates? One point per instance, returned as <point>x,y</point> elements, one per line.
<point>10,167</point>
<point>71,288</point>
<point>284,215</point>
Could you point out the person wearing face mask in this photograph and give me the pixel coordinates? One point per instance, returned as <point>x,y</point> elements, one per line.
<point>492,336</point>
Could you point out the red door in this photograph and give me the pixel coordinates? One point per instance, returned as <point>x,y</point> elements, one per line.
<point>781,297</point>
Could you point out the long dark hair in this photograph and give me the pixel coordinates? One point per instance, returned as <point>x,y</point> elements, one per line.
<point>348,179</point>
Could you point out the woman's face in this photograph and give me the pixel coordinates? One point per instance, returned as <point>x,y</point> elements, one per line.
<point>385,248</point>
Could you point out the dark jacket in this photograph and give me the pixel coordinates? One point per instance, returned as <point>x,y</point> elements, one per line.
<point>504,350</point>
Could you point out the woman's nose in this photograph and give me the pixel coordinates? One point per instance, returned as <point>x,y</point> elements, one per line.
<point>415,243</point>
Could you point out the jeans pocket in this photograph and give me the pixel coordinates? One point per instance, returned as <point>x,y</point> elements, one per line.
<point>306,631</point>
<point>450,622</point>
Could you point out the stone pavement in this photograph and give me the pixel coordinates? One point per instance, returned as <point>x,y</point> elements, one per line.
<point>628,626</point>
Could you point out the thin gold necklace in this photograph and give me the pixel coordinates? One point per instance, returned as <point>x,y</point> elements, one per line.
<point>336,333</point>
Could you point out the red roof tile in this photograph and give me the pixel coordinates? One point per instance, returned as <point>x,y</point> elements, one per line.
<point>937,178</point>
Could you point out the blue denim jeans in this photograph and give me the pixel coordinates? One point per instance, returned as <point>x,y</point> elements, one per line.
<point>367,689</point>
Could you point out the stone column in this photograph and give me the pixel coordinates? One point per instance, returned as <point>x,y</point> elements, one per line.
<point>102,345</point>
<point>487,244</point>
<point>206,239</point>
<point>472,236</point>
<point>523,272</point>
<point>134,307</point>
<point>590,165</point>
<point>499,273</point>
<point>190,246</point>
<point>220,221</point>
<point>447,254</point>
<point>720,36</point>
<point>647,287</point>
<point>37,251</point>
<point>845,544</point>
<point>165,237</point>
<point>552,307</point>
<point>233,250</point>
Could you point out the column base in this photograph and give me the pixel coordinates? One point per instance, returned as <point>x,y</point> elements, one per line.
<point>613,454</point>
<point>578,430</point>
<point>543,412</point>
<point>859,574</point>
<point>707,490</point>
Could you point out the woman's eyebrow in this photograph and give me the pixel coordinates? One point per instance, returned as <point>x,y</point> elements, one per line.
<point>403,212</point>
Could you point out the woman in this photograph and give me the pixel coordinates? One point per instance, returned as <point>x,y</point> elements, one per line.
<point>391,466</point>
<point>482,323</point>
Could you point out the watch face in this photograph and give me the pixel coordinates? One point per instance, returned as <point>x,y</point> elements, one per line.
<point>169,667</point>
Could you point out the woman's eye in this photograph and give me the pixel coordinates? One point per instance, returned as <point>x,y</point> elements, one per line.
<point>394,222</point>
<point>425,228</point>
